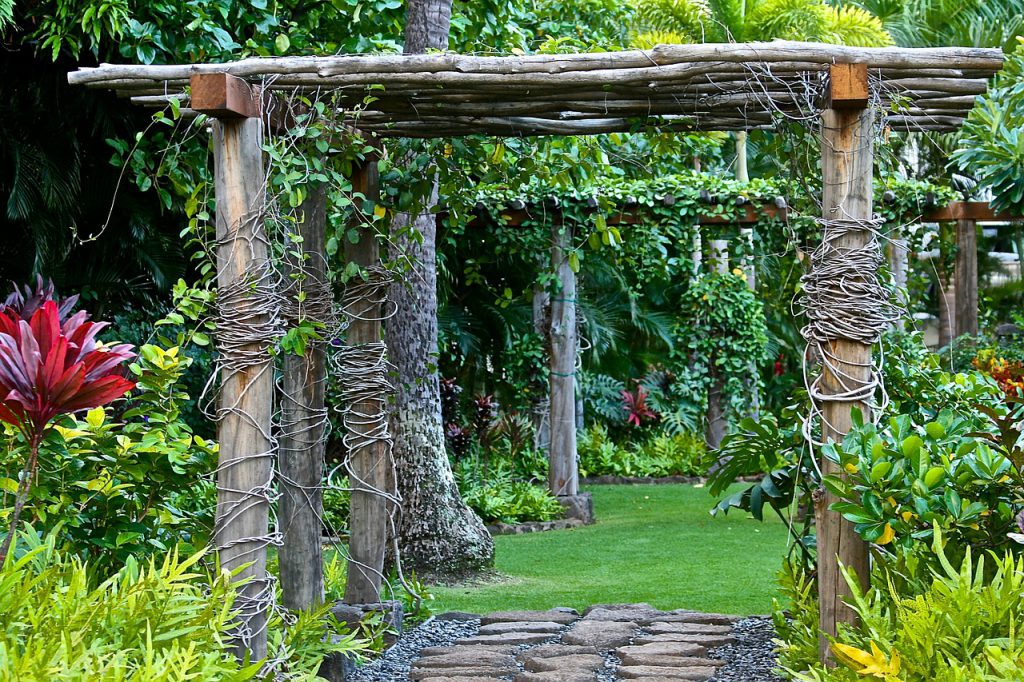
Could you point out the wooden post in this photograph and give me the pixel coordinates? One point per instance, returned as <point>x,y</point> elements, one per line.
<point>245,405</point>
<point>563,477</point>
<point>899,265</point>
<point>847,163</point>
<point>720,255</point>
<point>369,466</point>
<point>947,310</point>
<point>303,418</point>
<point>966,277</point>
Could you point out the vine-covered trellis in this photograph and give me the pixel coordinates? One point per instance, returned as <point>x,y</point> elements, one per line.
<point>849,95</point>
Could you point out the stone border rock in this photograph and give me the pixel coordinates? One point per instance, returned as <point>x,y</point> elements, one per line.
<point>533,526</point>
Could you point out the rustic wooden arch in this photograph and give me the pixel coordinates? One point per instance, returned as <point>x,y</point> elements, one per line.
<point>725,87</point>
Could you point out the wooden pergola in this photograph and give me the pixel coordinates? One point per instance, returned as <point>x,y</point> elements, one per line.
<point>847,93</point>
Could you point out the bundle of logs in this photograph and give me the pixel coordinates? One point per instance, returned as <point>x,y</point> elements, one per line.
<point>669,87</point>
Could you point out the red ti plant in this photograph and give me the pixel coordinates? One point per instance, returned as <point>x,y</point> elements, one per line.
<point>637,407</point>
<point>51,367</point>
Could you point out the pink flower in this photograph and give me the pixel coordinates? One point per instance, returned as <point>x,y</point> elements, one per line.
<point>48,369</point>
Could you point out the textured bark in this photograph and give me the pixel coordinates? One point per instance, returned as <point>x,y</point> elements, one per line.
<point>426,25</point>
<point>438,534</point>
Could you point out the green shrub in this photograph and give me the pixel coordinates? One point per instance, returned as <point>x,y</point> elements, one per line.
<point>903,480</point>
<point>157,620</point>
<point>498,497</point>
<point>663,454</point>
<point>107,483</point>
<point>963,625</point>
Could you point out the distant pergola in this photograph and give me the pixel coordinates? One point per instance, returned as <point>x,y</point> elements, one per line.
<point>846,92</point>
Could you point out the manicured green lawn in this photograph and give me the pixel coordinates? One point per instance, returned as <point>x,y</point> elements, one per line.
<point>652,543</point>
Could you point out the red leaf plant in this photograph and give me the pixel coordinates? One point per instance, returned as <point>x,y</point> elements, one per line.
<point>636,406</point>
<point>49,367</point>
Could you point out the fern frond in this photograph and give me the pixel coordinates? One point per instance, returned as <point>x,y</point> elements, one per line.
<point>684,20</point>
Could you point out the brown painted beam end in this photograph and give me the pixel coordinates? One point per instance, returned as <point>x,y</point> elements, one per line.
<point>848,86</point>
<point>222,95</point>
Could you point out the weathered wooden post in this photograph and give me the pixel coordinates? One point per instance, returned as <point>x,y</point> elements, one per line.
<point>303,413</point>
<point>847,165</point>
<point>966,277</point>
<point>563,476</point>
<point>245,332</point>
<point>365,417</point>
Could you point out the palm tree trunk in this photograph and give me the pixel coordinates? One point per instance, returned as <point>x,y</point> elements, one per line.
<point>438,534</point>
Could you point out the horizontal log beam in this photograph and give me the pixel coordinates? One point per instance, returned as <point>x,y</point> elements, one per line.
<point>968,210</point>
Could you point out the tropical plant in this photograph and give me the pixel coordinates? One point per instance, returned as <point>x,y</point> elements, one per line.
<point>991,148</point>
<point>690,21</point>
<point>48,369</point>
<point>959,623</point>
<point>160,620</point>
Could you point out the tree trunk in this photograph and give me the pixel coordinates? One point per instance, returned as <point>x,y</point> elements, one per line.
<point>438,533</point>
<point>563,474</point>
<point>715,430</point>
<point>540,407</point>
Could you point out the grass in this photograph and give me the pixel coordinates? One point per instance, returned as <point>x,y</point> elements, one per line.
<point>652,543</point>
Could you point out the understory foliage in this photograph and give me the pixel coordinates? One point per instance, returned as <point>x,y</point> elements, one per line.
<point>958,624</point>
<point>156,620</point>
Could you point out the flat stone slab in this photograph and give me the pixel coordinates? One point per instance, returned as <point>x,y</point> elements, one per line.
<point>468,648</point>
<point>641,672</point>
<point>560,615</point>
<point>512,638</point>
<point>549,650</point>
<point>466,658</point>
<point>683,616</point>
<point>601,634</point>
<point>557,676</point>
<point>643,606</point>
<point>570,663</point>
<point>642,616</point>
<point>476,671</point>
<point>663,649</point>
<point>449,678</point>
<point>709,641</point>
<point>689,628</point>
<point>521,626</point>
<point>661,660</point>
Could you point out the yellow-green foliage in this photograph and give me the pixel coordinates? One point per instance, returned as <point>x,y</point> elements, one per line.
<point>161,620</point>
<point>962,627</point>
<point>146,623</point>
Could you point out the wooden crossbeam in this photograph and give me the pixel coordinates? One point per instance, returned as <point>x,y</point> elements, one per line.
<point>222,95</point>
<point>968,210</point>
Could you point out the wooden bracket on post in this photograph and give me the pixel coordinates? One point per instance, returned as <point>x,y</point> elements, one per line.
<point>848,86</point>
<point>224,96</point>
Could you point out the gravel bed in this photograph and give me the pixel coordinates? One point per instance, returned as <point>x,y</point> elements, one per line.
<point>395,663</point>
<point>752,657</point>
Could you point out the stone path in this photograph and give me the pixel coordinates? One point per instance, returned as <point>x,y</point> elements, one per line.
<point>608,642</point>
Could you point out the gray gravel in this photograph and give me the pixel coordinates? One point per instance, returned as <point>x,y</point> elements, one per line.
<point>394,664</point>
<point>752,657</point>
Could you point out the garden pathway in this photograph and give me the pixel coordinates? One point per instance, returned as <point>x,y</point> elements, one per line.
<point>608,642</point>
